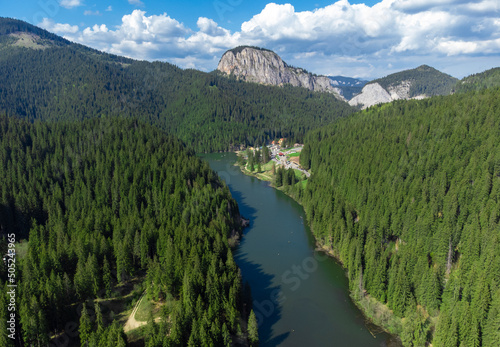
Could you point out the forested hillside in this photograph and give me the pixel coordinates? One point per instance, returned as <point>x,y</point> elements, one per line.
<point>487,79</point>
<point>424,79</point>
<point>105,201</point>
<point>207,111</point>
<point>407,196</point>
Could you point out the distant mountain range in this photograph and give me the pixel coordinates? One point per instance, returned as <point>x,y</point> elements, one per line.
<point>349,86</point>
<point>259,65</point>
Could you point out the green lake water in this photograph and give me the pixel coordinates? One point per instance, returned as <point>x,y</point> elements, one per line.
<point>300,296</point>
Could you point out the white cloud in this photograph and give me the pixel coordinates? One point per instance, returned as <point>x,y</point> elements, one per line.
<point>486,6</point>
<point>139,36</point>
<point>109,9</point>
<point>392,34</point>
<point>458,47</point>
<point>92,13</point>
<point>210,27</point>
<point>138,27</point>
<point>136,2</point>
<point>58,28</point>
<point>423,5</point>
<point>70,3</point>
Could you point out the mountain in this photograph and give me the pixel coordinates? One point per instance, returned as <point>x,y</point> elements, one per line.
<point>487,79</point>
<point>407,197</point>
<point>15,33</point>
<point>253,64</point>
<point>419,83</point>
<point>12,30</point>
<point>348,86</point>
<point>44,77</point>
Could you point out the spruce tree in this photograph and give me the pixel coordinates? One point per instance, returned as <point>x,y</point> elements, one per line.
<point>85,327</point>
<point>253,330</point>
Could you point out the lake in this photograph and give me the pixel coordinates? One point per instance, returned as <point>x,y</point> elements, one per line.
<point>300,295</point>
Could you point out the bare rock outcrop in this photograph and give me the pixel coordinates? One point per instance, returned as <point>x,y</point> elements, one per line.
<point>263,66</point>
<point>374,93</point>
<point>371,94</point>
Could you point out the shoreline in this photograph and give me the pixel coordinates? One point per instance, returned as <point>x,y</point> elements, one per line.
<point>371,308</point>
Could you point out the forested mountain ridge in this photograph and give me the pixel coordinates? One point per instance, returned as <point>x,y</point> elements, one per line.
<point>10,26</point>
<point>16,33</point>
<point>421,82</point>
<point>103,201</point>
<point>487,79</point>
<point>207,111</point>
<point>407,196</point>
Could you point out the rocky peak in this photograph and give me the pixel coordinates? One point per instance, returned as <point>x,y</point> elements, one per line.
<point>263,66</point>
<point>421,82</point>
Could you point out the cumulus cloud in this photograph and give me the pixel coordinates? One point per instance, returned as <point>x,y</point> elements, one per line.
<point>389,30</point>
<point>391,34</point>
<point>451,47</point>
<point>157,37</point>
<point>109,9</point>
<point>58,28</point>
<point>70,3</point>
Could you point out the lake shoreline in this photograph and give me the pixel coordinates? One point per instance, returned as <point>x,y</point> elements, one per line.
<point>377,315</point>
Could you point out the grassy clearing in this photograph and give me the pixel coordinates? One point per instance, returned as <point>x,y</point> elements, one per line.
<point>121,304</point>
<point>267,166</point>
<point>296,154</point>
<point>145,308</point>
<point>299,174</point>
<point>266,175</point>
<point>118,307</point>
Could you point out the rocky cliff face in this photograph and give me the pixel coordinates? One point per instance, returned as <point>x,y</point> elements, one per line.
<point>373,94</point>
<point>263,66</point>
<point>421,82</point>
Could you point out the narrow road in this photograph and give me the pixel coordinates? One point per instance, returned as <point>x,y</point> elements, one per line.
<point>131,322</point>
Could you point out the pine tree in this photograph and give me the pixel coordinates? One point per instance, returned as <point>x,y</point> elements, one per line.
<point>98,319</point>
<point>491,334</point>
<point>253,332</point>
<point>265,154</point>
<point>106,278</point>
<point>85,327</point>
<point>226,336</point>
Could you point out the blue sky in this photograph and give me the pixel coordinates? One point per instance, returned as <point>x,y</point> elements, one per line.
<point>366,39</point>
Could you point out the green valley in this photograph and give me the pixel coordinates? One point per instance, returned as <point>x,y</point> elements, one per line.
<point>115,232</point>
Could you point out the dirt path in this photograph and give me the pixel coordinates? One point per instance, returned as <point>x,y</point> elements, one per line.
<point>131,322</point>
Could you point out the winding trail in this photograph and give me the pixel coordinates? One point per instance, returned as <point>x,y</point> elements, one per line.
<point>132,323</point>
